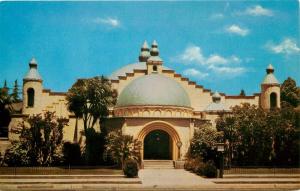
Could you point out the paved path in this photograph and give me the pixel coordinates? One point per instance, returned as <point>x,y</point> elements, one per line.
<point>171,177</point>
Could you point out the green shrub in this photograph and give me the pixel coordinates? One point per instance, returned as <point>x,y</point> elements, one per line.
<point>209,170</point>
<point>71,153</point>
<point>131,168</point>
<point>194,164</point>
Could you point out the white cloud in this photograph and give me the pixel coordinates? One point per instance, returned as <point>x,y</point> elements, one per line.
<point>258,11</point>
<point>195,73</point>
<point>192,54</point>
<point>235,29</point>
<point>287,46</point>
<point>213,63</point>
<point>217,16</point>
<point>113,22</point>
<point>232,71</point>
<point>216,59</point>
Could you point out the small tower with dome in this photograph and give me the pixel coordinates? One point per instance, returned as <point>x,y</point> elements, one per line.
<point>145,54</point>
<point>154,62</point>
<point>270,90</point>
<point>32,88</point>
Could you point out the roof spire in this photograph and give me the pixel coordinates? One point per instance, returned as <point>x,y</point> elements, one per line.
<point>144,55</point>
<point>270,77</point>
<point>154,49</point>
<point>33,73</point>
<point>270,69</point>
<point>33,63</point>
<point>5,84</point>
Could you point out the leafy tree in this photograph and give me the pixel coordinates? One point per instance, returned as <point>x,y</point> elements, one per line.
<point>5,98</point>
<point>271,135</point>
<point>90,99</point>
<point>5,109</point>
<point>203,142</point>
<point>290,93</point>
<point>39,142</point>
<point>15,92</point>
<point>122,147</point>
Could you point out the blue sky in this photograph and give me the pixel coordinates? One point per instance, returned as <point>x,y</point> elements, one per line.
<point>222,45</point>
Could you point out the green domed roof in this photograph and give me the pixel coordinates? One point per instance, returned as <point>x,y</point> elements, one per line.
<point>154,89</point>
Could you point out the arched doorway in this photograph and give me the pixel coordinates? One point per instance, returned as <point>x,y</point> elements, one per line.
<point>157,145</point>
<point>166,128</point>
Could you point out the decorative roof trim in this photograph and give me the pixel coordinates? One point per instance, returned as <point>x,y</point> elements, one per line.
<point>129,74</point>
<point>58,93</point>
<point>153,106</point>
<point>185,79</point>
<point>46,91</point>
<point>168,71</point>
<point>32,80</point>
<point>139,71</point>
<point>239,97</point>
<point>54,93</point>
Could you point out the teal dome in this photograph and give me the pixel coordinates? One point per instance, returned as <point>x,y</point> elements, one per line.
<point>153,89</point>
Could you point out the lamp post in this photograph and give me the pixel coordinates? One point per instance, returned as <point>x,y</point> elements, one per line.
<point>179,144</point>
<point>220,149</point>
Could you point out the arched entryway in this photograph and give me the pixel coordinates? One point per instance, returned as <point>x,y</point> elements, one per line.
<point>157,145</point>
<point>162,130</point>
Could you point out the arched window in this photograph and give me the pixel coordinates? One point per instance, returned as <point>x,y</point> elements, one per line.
<point>273,100</point>
<point>155,68</point>
<point>30,97</point>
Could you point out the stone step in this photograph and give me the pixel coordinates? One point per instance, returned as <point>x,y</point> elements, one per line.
<point>71,181</point>
<point>60,176</point>
<point>274,176</point>
<point>158,164</point>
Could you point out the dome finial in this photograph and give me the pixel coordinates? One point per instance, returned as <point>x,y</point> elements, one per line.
<point>270,69</point>
<point>270,77</point>
<point>145,45</point>
<point>33,73</point>
<point>33,63</point>
<point>145,54</point>
<point>154,49</point>
<point>216,97</point>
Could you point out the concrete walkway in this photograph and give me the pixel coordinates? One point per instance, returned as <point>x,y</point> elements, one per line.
<point>171,177</point>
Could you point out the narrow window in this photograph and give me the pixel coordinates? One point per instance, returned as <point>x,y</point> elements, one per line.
<point>273,100</point>
<point>155,68</point>
<point>30,97</point>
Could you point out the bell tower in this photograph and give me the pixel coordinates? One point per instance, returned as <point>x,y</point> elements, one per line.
<point>154,62</point>
<point>32,89</point>
<point>270,90</point>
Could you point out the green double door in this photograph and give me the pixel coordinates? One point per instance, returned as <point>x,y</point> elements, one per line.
<point>157,146</point>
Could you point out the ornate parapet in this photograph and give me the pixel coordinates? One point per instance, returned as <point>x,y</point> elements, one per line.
<point>153,111</point>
